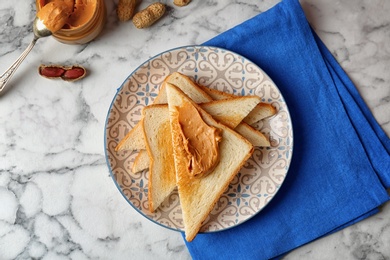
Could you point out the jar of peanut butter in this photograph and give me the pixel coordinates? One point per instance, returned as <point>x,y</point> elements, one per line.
<point>85,22</point>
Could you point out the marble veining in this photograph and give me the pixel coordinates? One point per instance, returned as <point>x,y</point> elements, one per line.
<point>57,200</point>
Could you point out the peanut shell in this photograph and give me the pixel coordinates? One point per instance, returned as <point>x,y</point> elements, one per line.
<point>149,15</point>
<point>67,73</point>
<point>126,9</point>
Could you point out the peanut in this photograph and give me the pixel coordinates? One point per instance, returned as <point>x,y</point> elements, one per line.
<point>72,73</point>
<point>181,2</point>
<point>75,73</point>
<point>149,15</point>
<point>51,72</point>
<point>125,9</point>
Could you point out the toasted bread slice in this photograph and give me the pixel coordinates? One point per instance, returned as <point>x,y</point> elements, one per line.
<point>134,139</point>
<point>254,136</point>
<point>162,176</point>
<point>189,87</point>
<point>199,195</point>
<point>231,111</point>
<point>216,94</point>
<point>141,162</point>
<point>261,111</point>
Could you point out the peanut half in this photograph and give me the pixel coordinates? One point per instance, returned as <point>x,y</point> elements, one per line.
<point>149,15</point>
<point>67,73</point>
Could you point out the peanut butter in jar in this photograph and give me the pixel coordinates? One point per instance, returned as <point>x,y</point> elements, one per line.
<point>83,24</point>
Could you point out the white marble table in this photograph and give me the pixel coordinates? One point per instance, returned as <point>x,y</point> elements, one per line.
<point>57,200</point>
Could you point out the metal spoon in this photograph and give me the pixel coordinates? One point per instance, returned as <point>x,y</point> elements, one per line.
<point>40,31</point>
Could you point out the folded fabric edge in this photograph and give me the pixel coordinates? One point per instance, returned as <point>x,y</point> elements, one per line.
<point>372,138</point>
<point>350,86</point>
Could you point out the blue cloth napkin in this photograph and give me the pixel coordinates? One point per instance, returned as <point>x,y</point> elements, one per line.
<point>341,165</point>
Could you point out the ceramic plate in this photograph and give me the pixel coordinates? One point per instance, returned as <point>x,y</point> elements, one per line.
<point>262,175</point>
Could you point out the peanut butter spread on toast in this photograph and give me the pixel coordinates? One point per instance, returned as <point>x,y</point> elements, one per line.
<point>200,141</point>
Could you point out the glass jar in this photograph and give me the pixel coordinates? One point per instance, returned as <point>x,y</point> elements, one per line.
<point>84,25</point>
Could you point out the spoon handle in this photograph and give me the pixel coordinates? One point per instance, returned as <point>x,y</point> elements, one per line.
<point>10,71</point>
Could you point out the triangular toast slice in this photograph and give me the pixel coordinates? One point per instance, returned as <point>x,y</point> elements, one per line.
<point>261,111</point>
<point>189,87</point>
<point>231,111</point>
<point>141,162</point>
<point>254,136</point>
<point>157,131</point>
<point>199,195</point>
<point>134,140</point>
